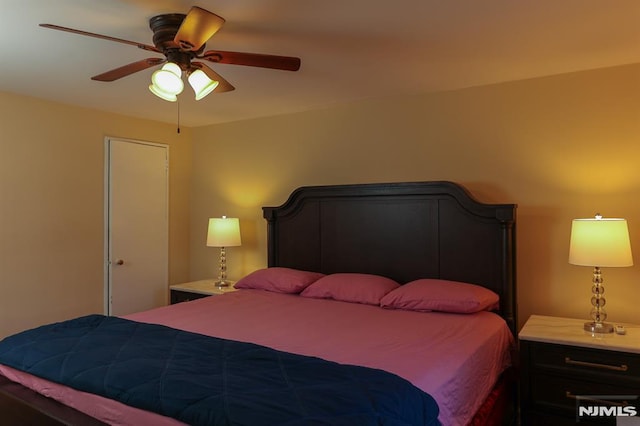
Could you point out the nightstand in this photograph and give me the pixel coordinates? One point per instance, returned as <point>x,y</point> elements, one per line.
<point>563,366</point>
<point>197,290</point>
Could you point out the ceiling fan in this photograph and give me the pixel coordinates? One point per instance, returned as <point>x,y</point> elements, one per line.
<point>181,39</point>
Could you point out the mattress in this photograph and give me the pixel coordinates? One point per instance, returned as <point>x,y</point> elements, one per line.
<point>455,358</point>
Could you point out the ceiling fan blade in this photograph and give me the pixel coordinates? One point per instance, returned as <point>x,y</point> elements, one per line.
<point>286,63</point>
<point>223,85</point>
<point>128,69</point>
<point>104,37</point>
<point>198,27</point>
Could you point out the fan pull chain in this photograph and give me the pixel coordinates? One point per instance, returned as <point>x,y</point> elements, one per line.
<point>178,102</point>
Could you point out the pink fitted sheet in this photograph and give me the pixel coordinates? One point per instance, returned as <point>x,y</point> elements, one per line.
<point>455,358</point>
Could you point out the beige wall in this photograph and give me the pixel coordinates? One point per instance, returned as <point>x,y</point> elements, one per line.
<point>51,207</point>
<point>560,147</point>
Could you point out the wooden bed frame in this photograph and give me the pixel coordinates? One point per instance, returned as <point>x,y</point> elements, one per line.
<point>403,231</point>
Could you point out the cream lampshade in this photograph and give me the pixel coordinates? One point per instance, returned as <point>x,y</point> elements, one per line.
<point>599,242</point>
<point>223,232</point>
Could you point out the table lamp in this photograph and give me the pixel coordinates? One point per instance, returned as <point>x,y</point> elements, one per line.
<point>223,232</point>
<point>599,242</point>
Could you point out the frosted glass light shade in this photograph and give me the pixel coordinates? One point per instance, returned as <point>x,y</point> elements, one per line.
<point>600,242</point>
<point>223,232</point>
<point>162,95</point>
<point>201,83</point>
<point>167,79</point>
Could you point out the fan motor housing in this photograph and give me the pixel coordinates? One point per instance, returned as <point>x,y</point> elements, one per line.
<point>165,27</point>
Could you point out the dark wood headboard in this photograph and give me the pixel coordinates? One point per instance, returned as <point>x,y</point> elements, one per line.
<point>404,231</point>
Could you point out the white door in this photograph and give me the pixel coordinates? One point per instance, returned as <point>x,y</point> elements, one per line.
<point>137,226</point>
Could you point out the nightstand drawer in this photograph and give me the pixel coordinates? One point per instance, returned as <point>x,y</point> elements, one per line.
<point>587,363</point>
<point>178,296</point>
<point>560,392</point>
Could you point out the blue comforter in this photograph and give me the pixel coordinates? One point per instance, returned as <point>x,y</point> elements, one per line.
<point>203,380</point>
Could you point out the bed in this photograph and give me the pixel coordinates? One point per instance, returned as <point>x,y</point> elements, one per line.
<point>354,240</point>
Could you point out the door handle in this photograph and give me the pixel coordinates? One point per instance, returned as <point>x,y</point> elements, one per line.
<point>119,262</point>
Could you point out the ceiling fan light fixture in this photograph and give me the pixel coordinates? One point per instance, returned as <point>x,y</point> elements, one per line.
<point>201,83</point>
<point>167,79</point>
<point>182,38</point>
<point>162,94</point>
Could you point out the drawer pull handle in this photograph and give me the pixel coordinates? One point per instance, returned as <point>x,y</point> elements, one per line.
<point>597,401</point>
<point>622,367</point>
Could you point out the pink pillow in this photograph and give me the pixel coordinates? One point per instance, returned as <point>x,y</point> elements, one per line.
<point>441,295</point>
<point>351,287</point>
<point>279,280</point>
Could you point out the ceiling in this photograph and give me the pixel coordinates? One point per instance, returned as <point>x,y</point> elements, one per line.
<point>350,50</point>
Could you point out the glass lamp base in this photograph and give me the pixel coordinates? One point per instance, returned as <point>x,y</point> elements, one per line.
<point>222,283</point>
<point>598,327</point>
